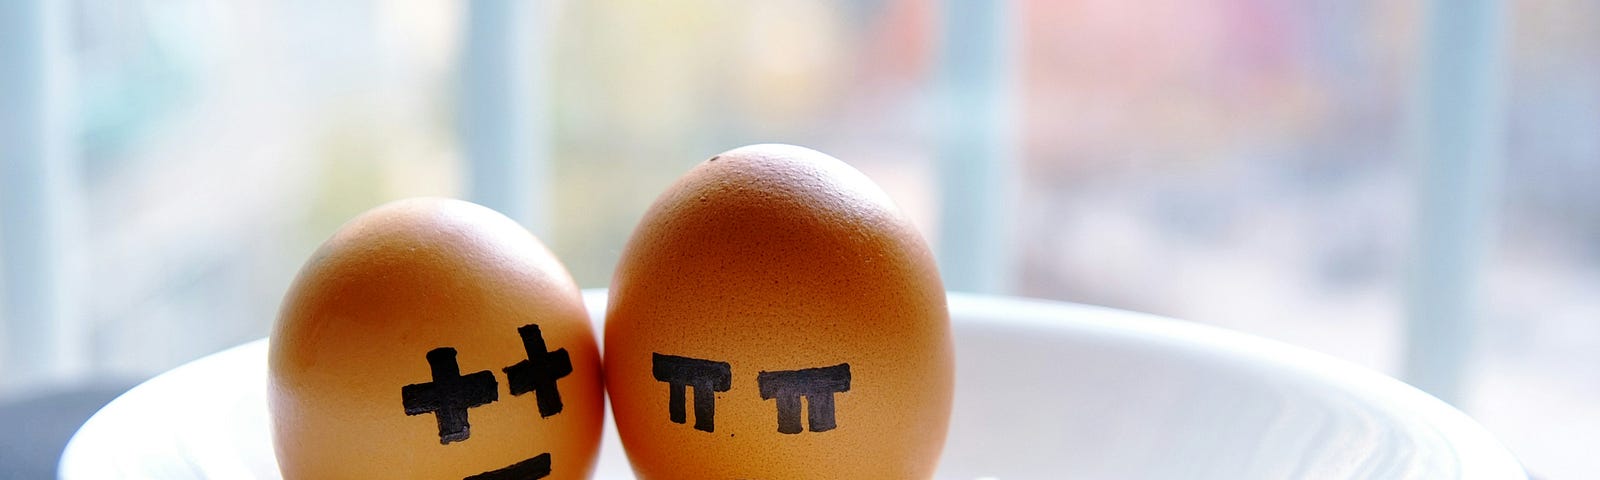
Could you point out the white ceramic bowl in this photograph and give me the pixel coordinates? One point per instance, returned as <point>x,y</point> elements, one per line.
<point>1044,390</point>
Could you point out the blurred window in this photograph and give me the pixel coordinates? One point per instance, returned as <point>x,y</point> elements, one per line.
<point>1241,163</point>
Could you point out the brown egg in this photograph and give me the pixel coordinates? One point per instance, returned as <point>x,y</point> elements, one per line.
<point>436,339</point>
<point>774,316</point>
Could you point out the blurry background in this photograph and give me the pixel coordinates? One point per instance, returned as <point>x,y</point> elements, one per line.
<point>1326,173</point>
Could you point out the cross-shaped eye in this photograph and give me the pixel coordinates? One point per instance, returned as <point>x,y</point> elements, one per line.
<point>540,371</point>
<point>449,395</point>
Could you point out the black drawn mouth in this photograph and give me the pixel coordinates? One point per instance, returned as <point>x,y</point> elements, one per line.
<point>530,469</point>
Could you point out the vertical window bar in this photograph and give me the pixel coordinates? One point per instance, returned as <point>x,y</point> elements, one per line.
<point>1459,147</point>
<point>502,95</point>
<point>976,149</point>
<point>38,178</point>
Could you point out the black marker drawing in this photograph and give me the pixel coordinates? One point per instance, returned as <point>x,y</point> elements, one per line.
<point>539,372</point>
<point>817,385</point>
<point>449,395</point>
<point>530,469</point>
<point>707,378</point>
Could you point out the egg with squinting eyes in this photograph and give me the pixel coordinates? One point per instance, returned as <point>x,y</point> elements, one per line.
<point>435,339</point>
<point>775,316</point>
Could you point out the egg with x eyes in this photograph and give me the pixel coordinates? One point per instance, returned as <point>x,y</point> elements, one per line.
<point>438,339</point>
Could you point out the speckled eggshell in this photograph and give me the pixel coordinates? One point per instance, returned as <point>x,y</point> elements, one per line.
<point>349,367</point>
<point>769,259</point>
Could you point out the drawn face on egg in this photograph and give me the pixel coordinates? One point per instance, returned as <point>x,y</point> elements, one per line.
<point>774,316</point>
<point>434,339</point>
<point>451,396</point>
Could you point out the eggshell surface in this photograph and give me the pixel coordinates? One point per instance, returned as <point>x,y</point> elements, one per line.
<point>437,339</point>
<point>774,316</point>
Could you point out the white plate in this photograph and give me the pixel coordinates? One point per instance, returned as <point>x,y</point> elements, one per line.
<point>1044,390</point>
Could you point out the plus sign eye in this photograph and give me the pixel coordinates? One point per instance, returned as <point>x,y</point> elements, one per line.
<point>540,371</point>
<point>407,347</point>
<point>449,395</point>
